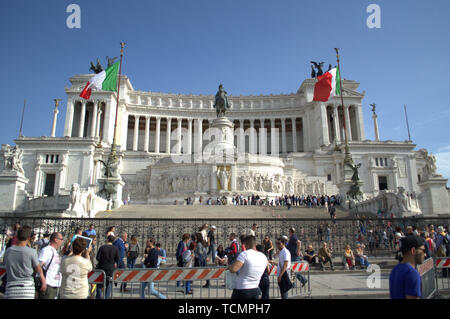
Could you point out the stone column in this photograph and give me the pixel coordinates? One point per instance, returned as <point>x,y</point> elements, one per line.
<point>179,136</point>
<point>99,117</point>
<point>169,119</point>
<point>147,133</point>
<point>157,134</point>
<point>375,125</point>
<point>189,141</point>
<point>55,117</point>
<point>252,147</point>
<point>69,118</point>
<point>337,134</point>
<point>213,179</point>
<point>199,134</point>
<point>359,123</point>
<point>94,119</point>
<point>274,149</point>
<point>347,123</point>
<point>283,136</point>
<point>82,117</point>
<point>294,134</point>
<point>136,132</point>
<point>241,138</point>
<point>262,139</point>
<point>324,119</point>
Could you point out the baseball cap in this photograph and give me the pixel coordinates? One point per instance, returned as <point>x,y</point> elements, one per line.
<point>213,227</point>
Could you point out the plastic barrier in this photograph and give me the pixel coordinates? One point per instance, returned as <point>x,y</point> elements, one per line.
<point>443,273</point>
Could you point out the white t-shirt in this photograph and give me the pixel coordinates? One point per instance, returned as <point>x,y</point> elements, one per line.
<point>75,270</point>
<point>53,276</point>
<point>284,255</point>
<point>254,264</point>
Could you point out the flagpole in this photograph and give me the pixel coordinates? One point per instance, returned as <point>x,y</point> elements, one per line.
<point>407,124</point>
<point>21,121</point>
<point>113,147</point>
<point>348,158</point>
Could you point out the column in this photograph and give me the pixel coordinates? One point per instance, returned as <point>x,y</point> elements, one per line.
<point>252,147</point>
<point>336,124</point>
<point>107,123</point>
<point>241,138</point>
<point>147,133</point>
<point>94,119</point>
<point>199,138</point>
<point>262,139</point>
<point>189,141</point>
<point>359,123</point>
<point>82,117</point>
<point>325,129</point>
<point>168,129</point>
<point>294,134</point>
<point>69,118</point>
<point>179,136</point>
<point>347,123</point>
<point>375,126</point>
<point>274,149</point>
<point>136,132</point>
<point>283,136</point>
<point>213,178</point>
<point>157,134</point>
<point>99,117</point>
<point>55,117</point>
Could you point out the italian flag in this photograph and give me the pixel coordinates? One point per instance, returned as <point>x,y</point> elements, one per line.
<point>105,80</point>
<point>327,86</point>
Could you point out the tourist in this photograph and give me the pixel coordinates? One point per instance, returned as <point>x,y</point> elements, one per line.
<point>268,247</point>
<point>50,262</point>
<point>111,231</point>
<point>325,256</point>
<point>332,212</point>
<point>430,242</point>
<point>78,232</point>
<point>283,270</point>
<point>233,250</point>
<point>251,265</point>
<point>122,246</point>
<point>43,242</point>
<point>212,242</point>
<point>203,231</point>
<point>108,259</point>
<point>200,254</point>
<point>294,246</point>
<point>183,245</point>
<point>133,252</point>
<point>92,250</point>
<point>310,256</point>
<point>404,280</point>
<point>221,257</point>
<point>75,284</point>
<point>443,247</point>
<point>252,231</point>
<point>162,256</point>
<point>151,261</point>
<point>91,230</point>
<point>188,258</point>
<point>20,263</point>
<point>360,257</point>
<point>348,258</point>
<point>264,282</point>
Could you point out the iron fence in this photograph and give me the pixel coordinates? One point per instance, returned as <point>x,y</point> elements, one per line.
<point>376,234</point>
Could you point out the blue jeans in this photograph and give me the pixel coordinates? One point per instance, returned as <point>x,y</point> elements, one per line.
<point>188,286</point>
<point>153,291</point>
<point>131,262</point>
<point>99,293</point>
<point>212,250</point>
<point>363,261</point>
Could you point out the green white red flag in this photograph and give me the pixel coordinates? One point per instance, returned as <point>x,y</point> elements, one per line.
<point>105,80</point>
<point>327,86</point>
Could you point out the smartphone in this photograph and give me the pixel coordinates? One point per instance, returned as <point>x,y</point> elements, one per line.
<point>87,239</point>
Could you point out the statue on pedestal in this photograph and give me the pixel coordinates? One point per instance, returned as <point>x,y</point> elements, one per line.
<point>224,177</point>
<point>13,159</point>
<point>221,102</point>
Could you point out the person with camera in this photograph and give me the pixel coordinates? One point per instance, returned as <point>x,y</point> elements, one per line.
<point>75,270</point>
<point>20,263</point>
<point>50,262</point>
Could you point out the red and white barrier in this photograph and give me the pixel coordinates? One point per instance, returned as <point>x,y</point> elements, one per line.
<point>96,277</point>
<point>295,267</point>
<point>443,262</point>
<point>167,274</point>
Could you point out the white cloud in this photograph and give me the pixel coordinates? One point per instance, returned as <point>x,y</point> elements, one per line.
<point>443,161</point>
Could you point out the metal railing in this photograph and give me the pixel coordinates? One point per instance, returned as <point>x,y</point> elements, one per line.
<point>168,232</point>
<point>443,273</point>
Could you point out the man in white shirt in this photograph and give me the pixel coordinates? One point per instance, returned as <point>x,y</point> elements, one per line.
<point>251,265</point>
<point>253,230</point>
<point>284,266</point>
<point>50,262</point>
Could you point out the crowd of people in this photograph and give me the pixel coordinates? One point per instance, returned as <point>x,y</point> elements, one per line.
<point>57,267</point>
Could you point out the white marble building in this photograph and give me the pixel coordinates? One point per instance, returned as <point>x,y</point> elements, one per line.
<point>290,145</point>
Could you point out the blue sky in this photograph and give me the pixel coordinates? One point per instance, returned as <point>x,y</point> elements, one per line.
<point>251,46</point>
